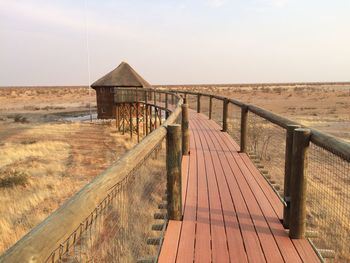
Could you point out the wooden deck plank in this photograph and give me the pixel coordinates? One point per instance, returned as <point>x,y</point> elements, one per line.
<point>217,226</point>
<point>250,237</point>
<point>305,251</point>
<point>271,195</point>
<point>184,178</point>
<point>170,244</point>
<point>255,196</point>
<point>230,212</point>
<point>268,243</point>
<point>233,233</point>
<point>188,230</point>
<point>203,238</point>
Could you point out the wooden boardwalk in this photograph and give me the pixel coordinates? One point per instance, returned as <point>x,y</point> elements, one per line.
<point>231,214</point>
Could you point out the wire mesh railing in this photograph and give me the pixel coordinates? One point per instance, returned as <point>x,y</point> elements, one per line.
<point>217,110</point>
<point>328,202</point>
<point>269,140</point>
<point>266,143</point>
<point>111,218</point>
<point>116,231</point>
<point>234,122</point>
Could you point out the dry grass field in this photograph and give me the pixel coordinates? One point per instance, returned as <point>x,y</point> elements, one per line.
<point>45,159</point>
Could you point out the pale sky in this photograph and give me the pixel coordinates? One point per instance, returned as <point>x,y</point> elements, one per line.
<point>43,42</point>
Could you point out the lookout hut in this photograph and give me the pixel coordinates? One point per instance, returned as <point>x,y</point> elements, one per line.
<point>124,76</point>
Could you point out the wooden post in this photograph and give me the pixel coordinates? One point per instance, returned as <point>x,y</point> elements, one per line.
<point>155,98</point>
<point>185,130</point>
<point>173,164</point>
<point>117,117</point>
<point>224,115</point>
<point>146,113</point>
<point>130,111</point>
<point>287,172</point>
<point>137,122</point>
<point>210,106</point>
<point>160,117</point>
<point>124,116</point>
<point>301,140</point>
<point>150,120</point>
<point>166,100</point>
<point>244,128</point>
<point>172,99</point>
<point>155,117</point>
<point>198,103</point>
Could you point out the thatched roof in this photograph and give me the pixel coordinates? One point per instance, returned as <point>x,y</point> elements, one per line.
<point>122,76</point>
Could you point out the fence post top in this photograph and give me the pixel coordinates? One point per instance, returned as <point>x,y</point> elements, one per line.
<point>184,105</point>
<point>173,126</point>
<point>303,130</point>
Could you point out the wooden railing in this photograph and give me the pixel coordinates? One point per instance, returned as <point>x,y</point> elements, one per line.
<point>55,235</point>
<point>64,229</point>
<point>304,192</point>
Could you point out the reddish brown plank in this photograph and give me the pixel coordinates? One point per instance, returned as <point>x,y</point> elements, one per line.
<point>188,231</point>
<point>250,237</point>
<point>268,243</point>
<point>170,244</point>
<point>233,233</point>
<point>305,251</point>
<point>184,171</point>
<point>217,226</point>
<point>202,249</point>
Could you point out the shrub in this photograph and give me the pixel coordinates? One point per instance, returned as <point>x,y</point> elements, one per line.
<point>13,178</point>
<point>20,118</point>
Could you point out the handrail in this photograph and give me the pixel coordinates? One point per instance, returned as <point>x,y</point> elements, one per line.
<point>335,145</point>
<point>37,245</point>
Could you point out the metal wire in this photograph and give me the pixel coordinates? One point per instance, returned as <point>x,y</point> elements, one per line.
<point>217,110</point>
<point>118,229</point>
<point>266,145</point>
<point>234,122</point>
<point>328,201</point>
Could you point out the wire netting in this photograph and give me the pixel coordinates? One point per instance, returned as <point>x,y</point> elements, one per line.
<point>120,228</point>
<point>217,111</point>
<point>234,122</point>
<point>205,105</point>
<point>328,201</point>
<point>266,143</point>
<point>192,101</point>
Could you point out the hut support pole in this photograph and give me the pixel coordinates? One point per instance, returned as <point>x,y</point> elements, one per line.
<point>130,118</point>
<point>138,121</point>
<point>146,111</point>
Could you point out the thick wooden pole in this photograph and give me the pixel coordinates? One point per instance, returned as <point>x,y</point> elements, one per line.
<point>185,130</point>
<point>146,112</point>
<point>130,119</point>
<point>224,115</point>
<point>117,118</point>
<point>198,103</point>
<point>173,164</point>
<point>210,106</point>
<point>137,121</point>
<point>301,140</point>
<point>244,128</point>
<point>288,172</point>
<point>172,99</point>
